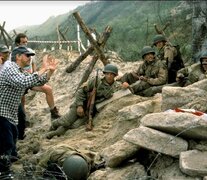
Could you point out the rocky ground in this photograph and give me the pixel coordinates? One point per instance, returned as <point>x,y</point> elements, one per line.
<point>110,126</point>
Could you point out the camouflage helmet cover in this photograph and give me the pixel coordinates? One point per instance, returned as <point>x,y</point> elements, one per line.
<point>76,167</point>
<point>146,50</point>
<point>158,38</point>
<point>110,68</point>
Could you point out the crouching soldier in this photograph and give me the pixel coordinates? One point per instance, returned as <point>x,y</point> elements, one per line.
<point>79,110</point>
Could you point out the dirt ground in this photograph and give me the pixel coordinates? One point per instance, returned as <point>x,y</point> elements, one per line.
<point>107,127</point>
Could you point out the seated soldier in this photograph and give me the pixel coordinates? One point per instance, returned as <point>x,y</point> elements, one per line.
<point>152,72</point>
<point>106,86</point>
<point>193,73</point>
<point>170,55</point>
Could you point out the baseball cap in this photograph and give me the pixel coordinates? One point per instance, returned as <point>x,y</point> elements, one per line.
<point>21,50</point>
<point>3,48</point>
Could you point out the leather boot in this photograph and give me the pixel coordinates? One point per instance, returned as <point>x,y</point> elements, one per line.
<point>54,113</point>
<point>5,163</point>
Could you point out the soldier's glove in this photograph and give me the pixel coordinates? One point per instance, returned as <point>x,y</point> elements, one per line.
<point>80,111</point>
<point>143,78</point>
<point>180,77</point>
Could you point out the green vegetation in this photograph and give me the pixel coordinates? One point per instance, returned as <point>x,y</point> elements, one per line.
<point>132,23</point>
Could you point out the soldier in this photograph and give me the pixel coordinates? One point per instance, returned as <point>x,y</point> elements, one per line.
<point>106,86</point>
<point>193,73</point>
<point>152,72</point>
<point>170,55</point>
<point>65,161</point>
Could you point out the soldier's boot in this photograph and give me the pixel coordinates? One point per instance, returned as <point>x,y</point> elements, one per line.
<point>54,113</point>
<point>5,164</point>
<point>58,132</point>
<point>54,125</point>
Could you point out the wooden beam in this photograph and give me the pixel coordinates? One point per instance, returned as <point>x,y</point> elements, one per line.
<point>88,70</point>
<point>58,35</point>
<point>3,35</point>
<point>62,35</point>
<point>101,42</point>
<point>4,32</point>
<point>117,95</point>
<point>90,38</point>
<point>75,64</point>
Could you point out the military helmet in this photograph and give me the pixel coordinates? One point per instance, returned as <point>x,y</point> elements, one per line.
<point>146,50</point>
<point>158,38</point>
<point>76,167</point>
<point>110,68</point>
<point>203,55</point>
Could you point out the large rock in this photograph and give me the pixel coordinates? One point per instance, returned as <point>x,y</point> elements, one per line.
<point>177,123</point>
<point>130,171</point>
<point>194,163</point>
<point>137,111</point>
<point>200,84</point>
<point>115,154</point>
<point>177,97</point>
<point>157,141</point>
<point>116,95</point>
<point>166,169</point>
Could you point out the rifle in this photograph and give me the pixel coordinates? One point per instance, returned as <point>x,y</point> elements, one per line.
<point>91,103</point>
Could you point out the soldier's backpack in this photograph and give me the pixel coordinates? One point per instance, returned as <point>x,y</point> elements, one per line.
<point>176,65</point>
<point>178,61</point>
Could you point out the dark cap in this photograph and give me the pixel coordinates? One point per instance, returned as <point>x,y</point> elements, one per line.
<point>3,48</point>
<point>21,50</point>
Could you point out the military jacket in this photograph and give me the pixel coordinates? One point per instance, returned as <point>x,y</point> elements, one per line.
<point>58,154</point>
<point>103,91</point>
<point>168,52</point>
<point>193,73</point>
<point>156,72</point>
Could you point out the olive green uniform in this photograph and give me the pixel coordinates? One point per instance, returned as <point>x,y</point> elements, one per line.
<point>69,120</point>
<point>155,72</point>
<point>192,74</point>
<point>58,154</point>
<point>168,54</point>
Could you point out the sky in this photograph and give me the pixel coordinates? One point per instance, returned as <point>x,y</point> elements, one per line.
<point>20,13</point>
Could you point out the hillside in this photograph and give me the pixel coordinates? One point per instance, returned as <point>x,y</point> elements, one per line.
<point>132,23</point>
<point>125,160</point>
